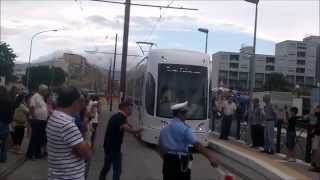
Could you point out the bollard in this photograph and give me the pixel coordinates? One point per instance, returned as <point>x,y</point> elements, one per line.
<point>279,128</point>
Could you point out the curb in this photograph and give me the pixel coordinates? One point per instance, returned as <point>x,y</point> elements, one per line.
<point>248,162</point>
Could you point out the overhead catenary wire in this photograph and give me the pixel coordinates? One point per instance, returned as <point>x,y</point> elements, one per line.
<point>157,22</point>
<point>148,5</point>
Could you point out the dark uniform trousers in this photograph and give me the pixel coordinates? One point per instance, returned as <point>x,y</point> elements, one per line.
<point>175,167</point>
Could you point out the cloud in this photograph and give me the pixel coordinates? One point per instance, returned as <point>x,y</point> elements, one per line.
<point>5,31</point>
<point>104,22</point>
<point>90,22</point>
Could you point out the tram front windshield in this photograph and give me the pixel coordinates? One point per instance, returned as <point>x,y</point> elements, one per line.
<point>180,83</point>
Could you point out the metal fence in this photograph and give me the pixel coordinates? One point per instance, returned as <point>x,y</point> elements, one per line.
<point>240,131</point>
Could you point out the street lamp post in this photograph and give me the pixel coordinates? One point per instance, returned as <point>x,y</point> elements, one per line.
<point>29,62</point>
<point>114,66</point>
<point>253,57</point>
<point>206,31</point>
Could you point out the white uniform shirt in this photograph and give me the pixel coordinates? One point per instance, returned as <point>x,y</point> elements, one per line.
<point>40,107</point>
<point>229,108</point>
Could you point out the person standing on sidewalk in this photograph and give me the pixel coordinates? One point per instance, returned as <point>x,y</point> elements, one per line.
<point>315,134</point>
<point>39,116</point>
<point>229,108</point>
<point>269,116</point>
<point>6,115</point>
<point>174,142</point>
<point>95,118</point>
<point>291,133</point>
<point>67,150</point>
<point>20,120</point>
<point>113,140</point>
<point>255,119</point>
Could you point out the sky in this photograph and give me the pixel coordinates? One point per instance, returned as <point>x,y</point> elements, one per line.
<point>89,25</point>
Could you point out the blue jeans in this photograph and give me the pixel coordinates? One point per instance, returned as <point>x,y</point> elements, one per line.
<point>269,136</point>
<point>4,133</point>
<point>3,147</point>
<point>114,159</point>
<point>226,126</point>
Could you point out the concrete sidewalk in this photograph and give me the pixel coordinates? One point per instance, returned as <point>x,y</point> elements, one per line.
<point>14,160</point>
<point>268,166</point>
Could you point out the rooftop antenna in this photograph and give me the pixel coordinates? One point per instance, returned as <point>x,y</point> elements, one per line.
<point>141,43</point>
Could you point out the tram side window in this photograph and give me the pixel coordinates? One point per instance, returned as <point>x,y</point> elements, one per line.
<point>150,94</point>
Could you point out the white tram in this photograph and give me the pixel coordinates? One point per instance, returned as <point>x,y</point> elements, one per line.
<point>165,77</point>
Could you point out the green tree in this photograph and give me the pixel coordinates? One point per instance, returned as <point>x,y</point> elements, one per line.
<point>7,58</point>
<point>51,76</point>
<point>277,82</point>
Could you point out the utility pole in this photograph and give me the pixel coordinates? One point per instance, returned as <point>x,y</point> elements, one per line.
<point>114,66</point>
<point>125,50</point>
<point>253,56</point>
<point>109,80</point>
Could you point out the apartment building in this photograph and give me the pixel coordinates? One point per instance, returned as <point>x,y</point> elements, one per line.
<point>299,60</point>
<point>231,69</point>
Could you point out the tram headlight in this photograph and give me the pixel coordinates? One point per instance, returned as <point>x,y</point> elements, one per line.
<point>200,126</point>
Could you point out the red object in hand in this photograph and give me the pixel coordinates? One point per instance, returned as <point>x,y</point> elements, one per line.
<point>228,177</point>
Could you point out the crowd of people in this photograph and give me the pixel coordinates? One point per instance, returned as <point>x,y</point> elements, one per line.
<point>24,116</point>
<point>62,127</point>
<point>261,118</point>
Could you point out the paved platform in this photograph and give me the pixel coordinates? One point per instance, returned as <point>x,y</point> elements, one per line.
<point>270,166</point>
<point>14,160</point>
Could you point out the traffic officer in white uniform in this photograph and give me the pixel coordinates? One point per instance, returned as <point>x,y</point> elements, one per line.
<point>174,141</point>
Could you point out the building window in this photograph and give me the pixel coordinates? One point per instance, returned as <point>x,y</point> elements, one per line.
<point>224,57</point>
<point>234,57</point>
<point>269,68</point>
<point>242,84</point>
<point>150,94</point>
<point>270,59</point>
<point>301,54</point>
<point>243,76</point>
<point>267,76</point>
<point>234,65</point>
<point>223,74</point>
<point>309,80</point>
<point>259,84</point>
<point>300,70</point>
<point>299,80</point>
<point>233,75</point>
<point>259,77</point>
<point>233,84</point>
<point>301,62</point>
<point>301,46</point>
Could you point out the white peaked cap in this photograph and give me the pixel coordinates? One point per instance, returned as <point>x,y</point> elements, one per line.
<point>179,106</point>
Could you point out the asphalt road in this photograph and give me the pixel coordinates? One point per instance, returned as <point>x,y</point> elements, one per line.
<point>140,162</point>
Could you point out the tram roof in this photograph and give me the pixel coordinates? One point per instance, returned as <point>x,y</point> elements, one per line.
<point>179,56</point>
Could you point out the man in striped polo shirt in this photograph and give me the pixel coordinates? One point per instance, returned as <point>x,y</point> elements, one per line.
<point>67,150</point>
